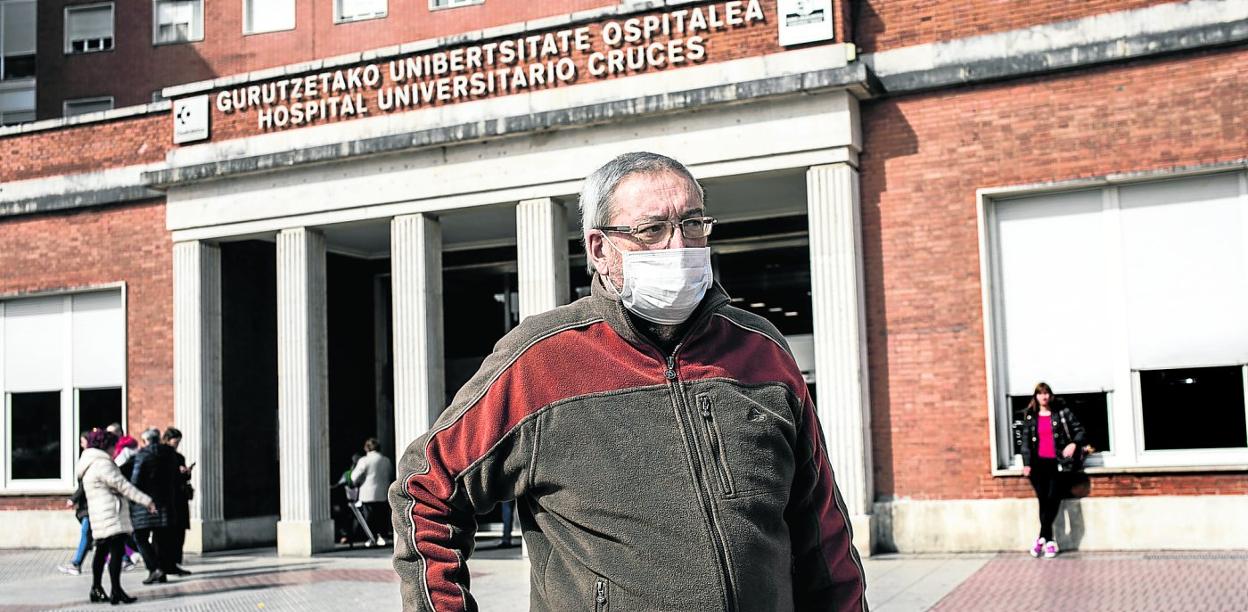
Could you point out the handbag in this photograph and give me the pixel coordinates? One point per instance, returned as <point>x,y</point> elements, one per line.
<point>1080,484</point>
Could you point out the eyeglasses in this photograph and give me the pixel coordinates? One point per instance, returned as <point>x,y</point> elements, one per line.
<point>654,232</point>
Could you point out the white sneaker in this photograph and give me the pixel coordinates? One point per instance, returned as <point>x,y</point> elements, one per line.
<point>1037,549</point>
<point>128,565</point>
<point>69,568</point>
<point>1050,550</point>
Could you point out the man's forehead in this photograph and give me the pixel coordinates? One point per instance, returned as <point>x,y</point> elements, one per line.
<point>642,196</point>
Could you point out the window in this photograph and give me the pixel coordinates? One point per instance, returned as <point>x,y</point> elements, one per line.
<point>1129,300</point>
<point>356,10</point>
<point>441,4</point>
<point>89,28</point>
<point>17,39</point>
<point>268,16</point>
<point>17,101</point>
<point>62,370</point>
<point>82,106</point>
<point>177,21</point>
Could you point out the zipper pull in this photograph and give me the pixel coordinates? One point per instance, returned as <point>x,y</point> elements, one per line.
<point>601,595</point>
<point>671,367</point>
<point>704,405</point>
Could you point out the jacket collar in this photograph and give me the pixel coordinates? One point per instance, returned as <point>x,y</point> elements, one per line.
<point>606,304</point>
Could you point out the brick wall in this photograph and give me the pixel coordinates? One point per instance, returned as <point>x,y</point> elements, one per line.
<point>880,25</point>
<point>925,157</point>
<point>86,147</point>
<point>105,245</point>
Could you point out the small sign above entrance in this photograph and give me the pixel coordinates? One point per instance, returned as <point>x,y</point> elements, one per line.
<point>804,21</point>
<point>190,119</point>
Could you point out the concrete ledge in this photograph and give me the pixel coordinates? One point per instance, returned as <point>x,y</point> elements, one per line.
<point>854,77</point>
<point>1198,522</point>
<point>39,529</point>
<point>1107,37</point>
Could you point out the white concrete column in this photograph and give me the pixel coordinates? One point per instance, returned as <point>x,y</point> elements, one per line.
<point>416,287</point>
<point>197,385</point>
<point>302,394</point>
<point>840,337</point>
<point>542,255</point>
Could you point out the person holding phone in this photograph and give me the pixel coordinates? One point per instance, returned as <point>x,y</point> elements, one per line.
<point>180,509</point>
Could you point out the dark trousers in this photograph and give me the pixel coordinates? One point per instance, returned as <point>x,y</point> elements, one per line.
<point>112,549</point>
<point>377,515</point>
<point>1051,487</point>
<point>157,547</point>
<point>506,510</point>
<point>175,539</point>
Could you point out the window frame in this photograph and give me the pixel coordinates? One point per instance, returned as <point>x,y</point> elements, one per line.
<point>65,105</point>
<point>249,29</point>
<point>112,17</point>
<point>34,52</point>
<point>197,29</point>
<point>69,394</point>
<point>339,19</point>
<point>453,4</point>
<point>1124,402</point>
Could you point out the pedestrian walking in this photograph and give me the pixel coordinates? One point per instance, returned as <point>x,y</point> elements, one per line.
<point>179,508</point>
<point>155,473</point>
<point>1053,440</point>
<point>373,474</point>
<point>79,502</point>
<point>108,504</point>
<point>123,455</point>
<point>661,444</point>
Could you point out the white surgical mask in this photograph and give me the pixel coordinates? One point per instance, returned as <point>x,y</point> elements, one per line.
<point>664,286</point>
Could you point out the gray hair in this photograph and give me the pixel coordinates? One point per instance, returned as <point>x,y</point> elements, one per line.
<point>600,186</point>
<point>151,435</point>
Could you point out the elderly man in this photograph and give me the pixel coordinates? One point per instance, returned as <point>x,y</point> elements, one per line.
<point>661,445</point>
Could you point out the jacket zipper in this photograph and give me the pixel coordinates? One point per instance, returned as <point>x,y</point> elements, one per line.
<point>712,433</point>
<point>600,596</point>
<point>673,378</point>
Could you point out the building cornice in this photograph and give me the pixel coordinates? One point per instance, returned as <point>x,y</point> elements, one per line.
<point>854,77</point>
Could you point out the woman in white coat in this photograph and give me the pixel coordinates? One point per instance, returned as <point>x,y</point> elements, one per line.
<point>108,503</point>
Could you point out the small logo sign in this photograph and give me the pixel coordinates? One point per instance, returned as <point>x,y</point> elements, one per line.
<point>804,21</point>
<point>190,119</point>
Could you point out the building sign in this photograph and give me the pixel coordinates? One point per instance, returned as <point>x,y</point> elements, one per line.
<point>531,61</point>
<point>190,119</point>
<point>804,21</point>
<point>497,67</point>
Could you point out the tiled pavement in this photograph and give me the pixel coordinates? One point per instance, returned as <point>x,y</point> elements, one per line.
<point>1192,581</point>
<point>362,579</point>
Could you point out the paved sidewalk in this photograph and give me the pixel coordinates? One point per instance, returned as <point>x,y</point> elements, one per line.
<point>257,580</point>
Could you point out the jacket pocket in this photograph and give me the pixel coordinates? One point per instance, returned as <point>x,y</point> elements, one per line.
<point>749,438</point>
<point>602,594</point>
<point>715,440</point>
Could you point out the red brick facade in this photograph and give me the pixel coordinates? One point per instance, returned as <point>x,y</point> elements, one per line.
<point>89,147</point>
<point>925,157</point>
<point>94,247</point>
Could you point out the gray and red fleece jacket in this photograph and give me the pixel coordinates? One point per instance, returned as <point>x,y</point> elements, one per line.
<point>645,480</point>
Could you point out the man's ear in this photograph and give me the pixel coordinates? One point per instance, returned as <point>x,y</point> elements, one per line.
<point>595,249</point>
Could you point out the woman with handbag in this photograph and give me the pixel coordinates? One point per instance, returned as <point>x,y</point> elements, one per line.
<point>1053,440</point>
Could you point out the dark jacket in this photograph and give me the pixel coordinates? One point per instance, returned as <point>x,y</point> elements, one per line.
<point>1031,439</point>
<point>155,473</point>
<point>695,480</point>
<point>80,502</point>
<point>180,508</point>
